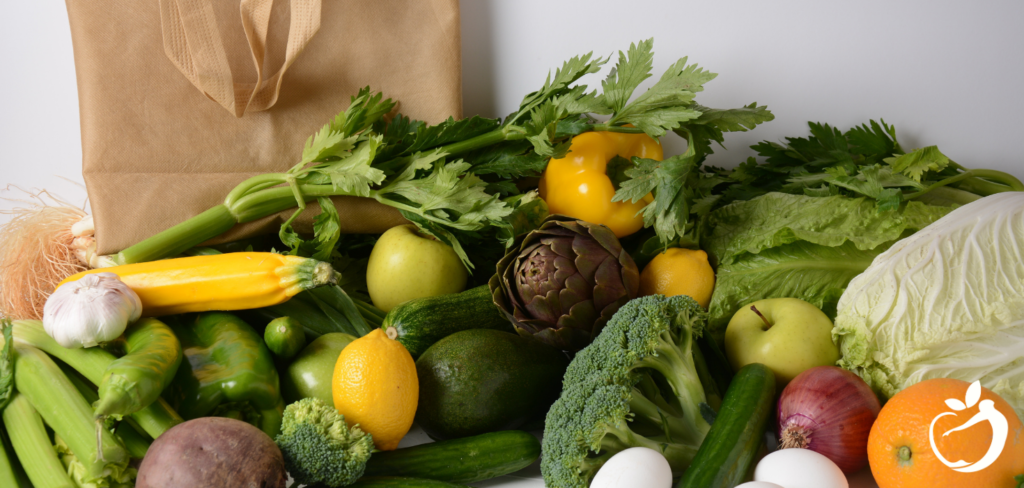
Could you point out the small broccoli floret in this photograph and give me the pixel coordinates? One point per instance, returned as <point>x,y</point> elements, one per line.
<point>636,385</point>
<point>319,448</point>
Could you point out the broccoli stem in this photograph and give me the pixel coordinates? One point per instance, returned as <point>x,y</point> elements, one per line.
<point>679,456</point>
<point>645,410</point>
<point>679,372</point>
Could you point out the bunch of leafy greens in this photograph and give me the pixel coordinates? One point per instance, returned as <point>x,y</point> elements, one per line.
<point>866,160</point>
<point>457,180</point>
<point>781,245</point>
<point>947,302</point>
<point>805,220</point>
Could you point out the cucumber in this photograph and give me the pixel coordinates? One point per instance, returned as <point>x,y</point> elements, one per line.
<point>725,456</point>
<point>419,323</point>
<point>464,460</point>
<point>399,482</point>
<point>285,337</point>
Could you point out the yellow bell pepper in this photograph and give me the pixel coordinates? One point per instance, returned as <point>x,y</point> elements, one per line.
<point>578,184</point>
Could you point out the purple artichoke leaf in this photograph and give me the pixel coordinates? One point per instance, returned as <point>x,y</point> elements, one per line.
<point>565,339</point>
<point>588,256</point>
<point>576,290</point>
<point>581,316</point>
<point>544,307</point>
<point>606,238</point>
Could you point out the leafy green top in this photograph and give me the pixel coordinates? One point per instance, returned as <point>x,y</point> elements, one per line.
<point>457,180</point>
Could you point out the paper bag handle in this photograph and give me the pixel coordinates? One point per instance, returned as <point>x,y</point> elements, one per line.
<point>193,43</point>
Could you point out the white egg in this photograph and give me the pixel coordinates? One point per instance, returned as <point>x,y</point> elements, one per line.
<point>800,468</point>
<point>636,467</point>
<point>759,484</point>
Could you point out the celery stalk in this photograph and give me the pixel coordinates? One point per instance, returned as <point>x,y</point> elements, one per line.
<point>7,475</point>
<point>261,196</point>
<point>65,410</point>
<point>32,445</point>
<point>155,419</point>
<point>134,442</point>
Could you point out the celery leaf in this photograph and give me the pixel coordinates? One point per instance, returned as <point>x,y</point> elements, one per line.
<point>510,160</point>
<point>632,69</point>
<point>556,85</point>
<point>667,104</point>
<point>326,228</point>
<point>352,174</point>
<point>714,122</point>
<point>450,196</point>
<point>878,139</point>
<point>918,162</point>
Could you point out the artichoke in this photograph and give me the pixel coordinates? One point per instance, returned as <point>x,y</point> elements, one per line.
<point>564,282</point>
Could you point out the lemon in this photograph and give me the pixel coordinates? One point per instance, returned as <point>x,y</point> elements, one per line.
<point>679,271</point>
<point>375,386</point>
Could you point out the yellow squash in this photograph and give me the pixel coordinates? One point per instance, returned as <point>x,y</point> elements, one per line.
<point>233,281</point>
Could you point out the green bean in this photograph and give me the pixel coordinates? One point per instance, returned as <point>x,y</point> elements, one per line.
<point>32,445</point>
<point>137,379</point>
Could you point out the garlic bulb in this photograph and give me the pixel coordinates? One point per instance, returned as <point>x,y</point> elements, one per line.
<point>95,308</point>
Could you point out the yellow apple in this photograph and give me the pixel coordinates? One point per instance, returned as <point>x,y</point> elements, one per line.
<point>788,335</point>
<point>405,264</point>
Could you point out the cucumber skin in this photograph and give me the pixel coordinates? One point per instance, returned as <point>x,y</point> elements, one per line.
<point>399,482</point>
<point>464,460</point>
<point>724,458</point>
<point>419,323</point>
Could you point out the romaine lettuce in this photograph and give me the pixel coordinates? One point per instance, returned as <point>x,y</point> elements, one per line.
<point>781,245</point>
<point>945,302</point>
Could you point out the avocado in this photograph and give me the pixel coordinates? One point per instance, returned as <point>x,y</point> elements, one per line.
<point>484,380</point>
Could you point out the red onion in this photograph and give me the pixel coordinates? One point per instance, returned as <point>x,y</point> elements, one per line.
<point>830,411</point>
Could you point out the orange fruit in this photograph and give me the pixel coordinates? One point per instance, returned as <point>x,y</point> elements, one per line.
<point>679,271</point>
<point>375,386</point>
<point>899,446</point>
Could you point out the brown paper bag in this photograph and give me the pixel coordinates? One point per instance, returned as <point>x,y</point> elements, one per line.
<point>175,111</point>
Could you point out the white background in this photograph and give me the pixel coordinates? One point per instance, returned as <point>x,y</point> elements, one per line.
<point>946,73</point>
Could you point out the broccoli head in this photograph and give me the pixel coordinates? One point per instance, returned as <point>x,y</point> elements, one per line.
<point>319,448</point>
<point>636,385</point>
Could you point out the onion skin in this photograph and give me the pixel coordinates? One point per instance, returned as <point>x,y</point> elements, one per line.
<point>830,411</point>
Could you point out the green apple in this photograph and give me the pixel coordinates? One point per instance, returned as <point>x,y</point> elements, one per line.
<point>788,335</point>
<point>405,264</point>
<point>310,374</point>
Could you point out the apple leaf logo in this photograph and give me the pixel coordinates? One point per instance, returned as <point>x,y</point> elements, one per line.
<point>986,413</point>
<point>972,397</point>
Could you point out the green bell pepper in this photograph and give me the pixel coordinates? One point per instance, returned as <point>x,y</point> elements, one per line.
<point>227,371</point>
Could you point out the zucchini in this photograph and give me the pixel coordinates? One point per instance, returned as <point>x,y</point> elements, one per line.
<point>419,323</point>
<point>399,482</point>
<point>725,456</point>
<point>464,460</point>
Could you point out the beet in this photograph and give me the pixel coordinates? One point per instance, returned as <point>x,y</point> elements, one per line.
<point>213,452</point>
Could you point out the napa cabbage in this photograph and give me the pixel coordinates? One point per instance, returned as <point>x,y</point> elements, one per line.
<point>946,302</point>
